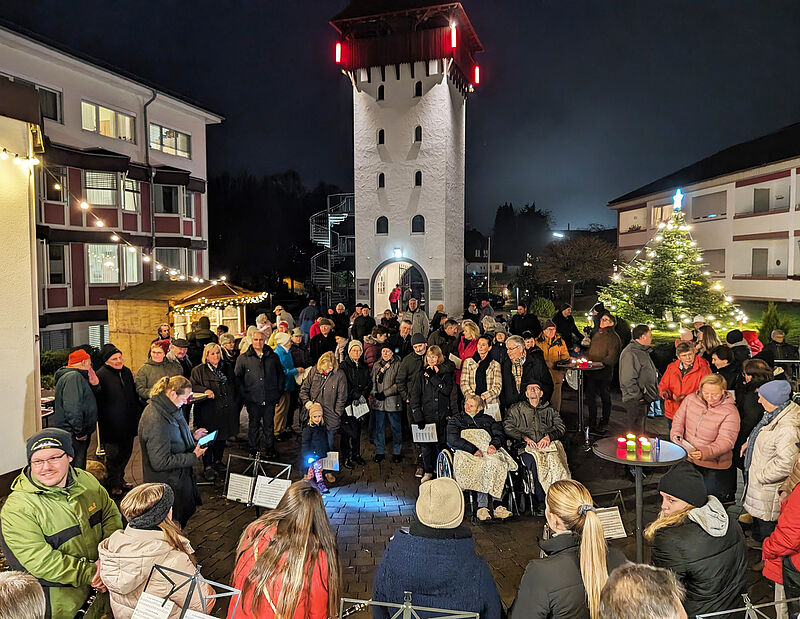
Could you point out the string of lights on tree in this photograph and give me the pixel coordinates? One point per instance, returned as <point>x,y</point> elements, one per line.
<point>667,283</point>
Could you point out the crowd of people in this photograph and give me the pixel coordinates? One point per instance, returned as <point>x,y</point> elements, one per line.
<point>486,391</point>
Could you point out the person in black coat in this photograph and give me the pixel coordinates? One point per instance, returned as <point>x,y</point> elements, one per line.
<point>230,350</point>
<point>695,538</point>
<point>341,321</point>
<point>118,412</point>
<point>755,372</point>
<point>566,327</point>
<point>322,342</point>
<point>401,341</point>
<point>723,363</point>
<point>359,386</point>
<point>261,382</point>
<point>534,370</point>
<point>363,324</point>
<point>523,321</point>
<point>220,410</point>
<point>314,447</point>
<point>737,343</point>
<point>430,403</point>
<point>559,585</point>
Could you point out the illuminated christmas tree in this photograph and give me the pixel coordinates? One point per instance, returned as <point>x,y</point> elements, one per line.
<point>667,283</point>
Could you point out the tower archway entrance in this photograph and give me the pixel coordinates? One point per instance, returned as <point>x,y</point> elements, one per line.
<point>401,271</point>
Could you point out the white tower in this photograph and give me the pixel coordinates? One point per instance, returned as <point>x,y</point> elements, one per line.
<point>411,65</point>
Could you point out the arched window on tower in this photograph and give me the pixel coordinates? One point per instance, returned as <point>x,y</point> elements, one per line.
<point>418,89</point>
<point>418,178</point>
<point>381,136</point>
<point>382,225</point>
<point>381,180</point>
<point>418,133</point>
<point>380,92</point>
<point>418,224</point>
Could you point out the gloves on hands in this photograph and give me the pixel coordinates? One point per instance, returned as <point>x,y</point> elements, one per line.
<point>421,426</point>
<point>379,396</point>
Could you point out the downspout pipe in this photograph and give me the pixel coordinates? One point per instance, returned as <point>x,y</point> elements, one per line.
<point>151,173</point>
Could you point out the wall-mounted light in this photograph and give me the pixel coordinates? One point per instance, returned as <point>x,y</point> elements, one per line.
<point>558,235</point>
<point>398,253</point>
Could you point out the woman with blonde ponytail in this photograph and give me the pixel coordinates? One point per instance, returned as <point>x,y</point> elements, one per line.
<point>568,581</point>
<point>169,449</point>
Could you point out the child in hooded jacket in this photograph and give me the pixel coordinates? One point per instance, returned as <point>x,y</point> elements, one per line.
<point>314,447</point>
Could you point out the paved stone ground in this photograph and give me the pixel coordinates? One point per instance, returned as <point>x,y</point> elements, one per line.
<point>367,505</point>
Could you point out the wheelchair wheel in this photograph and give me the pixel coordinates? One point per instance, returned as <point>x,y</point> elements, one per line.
<point>444,464</point>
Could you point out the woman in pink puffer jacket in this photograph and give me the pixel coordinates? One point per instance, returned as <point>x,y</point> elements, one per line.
<point>706,425</point>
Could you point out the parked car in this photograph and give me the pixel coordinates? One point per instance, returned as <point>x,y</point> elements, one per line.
<point>497,301</point>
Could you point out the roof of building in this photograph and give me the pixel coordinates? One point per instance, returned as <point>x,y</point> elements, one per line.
<point>100,64</point>
<point>367,8</point>
<point>181,293</point>
<point>778,146</point>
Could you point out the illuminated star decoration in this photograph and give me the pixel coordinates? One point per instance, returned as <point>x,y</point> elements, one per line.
<point>677,200</point>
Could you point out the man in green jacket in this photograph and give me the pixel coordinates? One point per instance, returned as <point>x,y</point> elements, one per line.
<point>75,407</point>
<point>52,522</point>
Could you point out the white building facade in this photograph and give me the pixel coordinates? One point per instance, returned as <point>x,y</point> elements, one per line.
<point>745,217</point>
<point>137,156</point>
<point>409,110</point>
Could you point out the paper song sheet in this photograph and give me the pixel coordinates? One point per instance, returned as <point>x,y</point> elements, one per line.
<point>612,522</point>
<point>269,491</point>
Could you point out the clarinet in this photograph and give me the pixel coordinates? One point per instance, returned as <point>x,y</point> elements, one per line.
<point>86,605</point>
<point>353,609</point>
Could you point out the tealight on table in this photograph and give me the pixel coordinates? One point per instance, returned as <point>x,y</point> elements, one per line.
<point>580,366</point>
<point>639,455</point>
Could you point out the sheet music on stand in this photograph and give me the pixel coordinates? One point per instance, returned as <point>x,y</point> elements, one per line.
<point>155,607</point>
<point>253,486</point>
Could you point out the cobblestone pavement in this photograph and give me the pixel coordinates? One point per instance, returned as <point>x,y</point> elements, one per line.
<point>367,505</point>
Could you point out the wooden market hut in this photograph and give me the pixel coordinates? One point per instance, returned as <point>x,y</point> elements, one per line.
<point>135,313</point>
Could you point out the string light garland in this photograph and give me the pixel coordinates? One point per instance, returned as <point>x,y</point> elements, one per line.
<point>17,158</point>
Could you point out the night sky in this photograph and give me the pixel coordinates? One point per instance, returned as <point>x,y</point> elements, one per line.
<point>581,100</point>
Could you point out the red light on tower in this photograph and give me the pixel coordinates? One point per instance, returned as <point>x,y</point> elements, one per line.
<point>338,53</point>
<point>453,40</point>
<point>477,79</point>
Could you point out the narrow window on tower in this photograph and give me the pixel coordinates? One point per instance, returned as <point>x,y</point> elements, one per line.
<point>418,89</point>
<point>418,224</point>
<point>382,225</point>
<point>418,178</point>
<point>380,93</point>
<point>418,133</point>
<point>381,181</point>
<point>381,136</point>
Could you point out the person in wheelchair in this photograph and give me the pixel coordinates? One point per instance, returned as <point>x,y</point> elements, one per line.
<point>535,428</point>
<point>471,418</point>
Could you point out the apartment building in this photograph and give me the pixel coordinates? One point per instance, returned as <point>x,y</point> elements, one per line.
<point>744,209</point>
<point>120,149</point>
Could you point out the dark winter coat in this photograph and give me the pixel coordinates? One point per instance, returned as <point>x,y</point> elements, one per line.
<point>260,380</point>
<point>481,421</point>
<point>362,327</point>
<point>341,324</point>
<point>441,568</point>
<point>774,350</point>
<point>638,377</point>
<point>167,454</point>
<point>565,325</point>
<point>118,405</point>
<point>712,568</point>
<point>529,322</point>
<point>430,396</point>
<point>199,338</point>
<point>448,344</point>
<point>232,355</point>
<point>359,380</point>
<point>300,355</point>
<point>330,390</point>
<point>401,345</point>
<point>222,412</point>
<point>523,420</point>
<point>534,370</point>
<point>741,352</point>
<point>75,407</point>
<point>750,413</point>
<point>372,351</point>
<point>385,384</point>
<point>186,363</point>
<point>553,586</point>
<point>314,443</point>
<point>321,344</point>
<point>410,367</point>
<point>732,373</point>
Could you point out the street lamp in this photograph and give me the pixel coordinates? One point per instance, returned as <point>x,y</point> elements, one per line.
<point>558,235</point>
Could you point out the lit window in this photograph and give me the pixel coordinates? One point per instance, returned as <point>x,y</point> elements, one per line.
<point>380,93</point>
<point>132,270</point>
<point>418,133</point>
<point>166,199</point>
<point>55,181</point>
<point>418,178</point>
<point>418,224</point>
<point>382,225</point>
<point>381,136</point>
<point>418,89</point>
<point>170,257</point>
<point>103,264</point>
<point>170,141</point>
<point>101,188</point>
<point>57,263</point>
<point>107,122</point>
<point>381,180</point>
<point>132,197</point>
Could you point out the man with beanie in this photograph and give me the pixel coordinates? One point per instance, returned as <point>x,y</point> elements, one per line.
<point>435,559</point>
<point>695,538</point>
<point>736,342</point>
<point>638,378</point>
<point>52,522</point>
<point>769,454</point>
<point>118,409</point>
<point>75,407</point>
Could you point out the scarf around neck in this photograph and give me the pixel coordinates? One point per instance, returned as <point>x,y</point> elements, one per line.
<point>480,373</point>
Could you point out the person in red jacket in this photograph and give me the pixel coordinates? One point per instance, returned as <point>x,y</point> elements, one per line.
<point>296,533</point>
<point>781,552</point>
<point>681,378</point>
